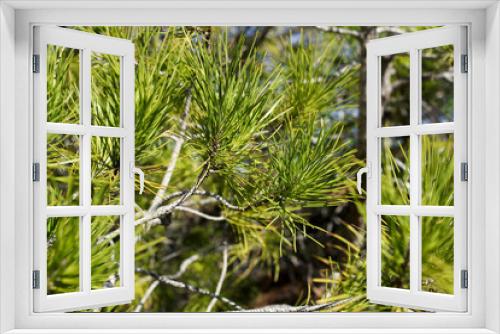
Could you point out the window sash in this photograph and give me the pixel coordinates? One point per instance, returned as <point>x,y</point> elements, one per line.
<point>86,43</point>
<point>411,43</point>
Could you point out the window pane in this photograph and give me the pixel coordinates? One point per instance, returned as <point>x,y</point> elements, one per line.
<point>63,169</point>
<point>395,234</point>
<point>395,89</point>
<point>105,259</point>
<point>437,170</point>
<point>105,82</point>
<point>437,84</point>
<point>395,171</point>
<point>63,85</point>
<point>105,170</point>
<point>63,255</point>
<point>437,254</point>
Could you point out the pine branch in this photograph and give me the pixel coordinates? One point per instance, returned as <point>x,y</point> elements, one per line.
<point>216,197</point>
<point>154,218</point>
<point>223,201</point>
<point>278,308</point>
<point>204,193</point>
<point>282,308</point>
<point>200,214</point>
<point>189,287</point>
<point>167,209</point>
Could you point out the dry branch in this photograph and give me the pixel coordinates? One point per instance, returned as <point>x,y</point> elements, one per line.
<point>221,278</point>
<point>189,287</point>
<point>146,296</point>
<point>184,266</point>
<point>281,308</point>
<point>200,214</point>
<point>179,141</point>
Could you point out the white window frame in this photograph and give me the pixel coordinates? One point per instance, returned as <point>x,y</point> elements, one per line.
<point>16,20</point>
<point>86,44</point>
<point>412,44</point>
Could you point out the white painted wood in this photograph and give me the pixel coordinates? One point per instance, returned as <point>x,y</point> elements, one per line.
<point>79,211</point>
<point>419,129</point>
<point>7,167</point>
<point>492,187</point>
<point>249,4</point>
<point>372,184</point>
<point>415,177</point>
<point>252,14</point>
<point>412,43</point>
<point>127,226</point>
<point>81,40</point>
<point>79,129</point>
<point>418,210</point>
<point>86,298</point>
<point>65,302</point>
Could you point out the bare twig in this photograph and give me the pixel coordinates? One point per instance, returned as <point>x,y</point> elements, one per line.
<point>221,278</point>
<point>340,30</point>
<point>222,201</point>
<point>201,177</point>
<point>179,141</point>
<point>200,214</point>
<point>391,30</point>
<point>189,287</point>
<point>204,193</point>
<point>146,296</point>
<point>280,308</point>
<point>153,219</point>
<point>167,209</point>
<point>184,266</point>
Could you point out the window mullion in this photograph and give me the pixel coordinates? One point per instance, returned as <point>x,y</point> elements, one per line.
<point>86,177</point>
<point>414,171</point>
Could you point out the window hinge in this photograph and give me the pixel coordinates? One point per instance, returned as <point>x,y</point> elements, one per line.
<point>464,171</point>
<point>36,63</point>
<point>464,279</point>
<point>36,172</point>
<point>465,64</point>
<point>36,279</point>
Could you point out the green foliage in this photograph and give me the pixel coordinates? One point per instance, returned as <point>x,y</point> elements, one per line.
<point>265,130</point>
<point>63,170</point>
<point>348,277</point>
<point>63,79</point>
<point>105,90</point>
<point>63,255</point>
<point>316,80</point>
<point>310,166</point>
<point>233,104</point>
